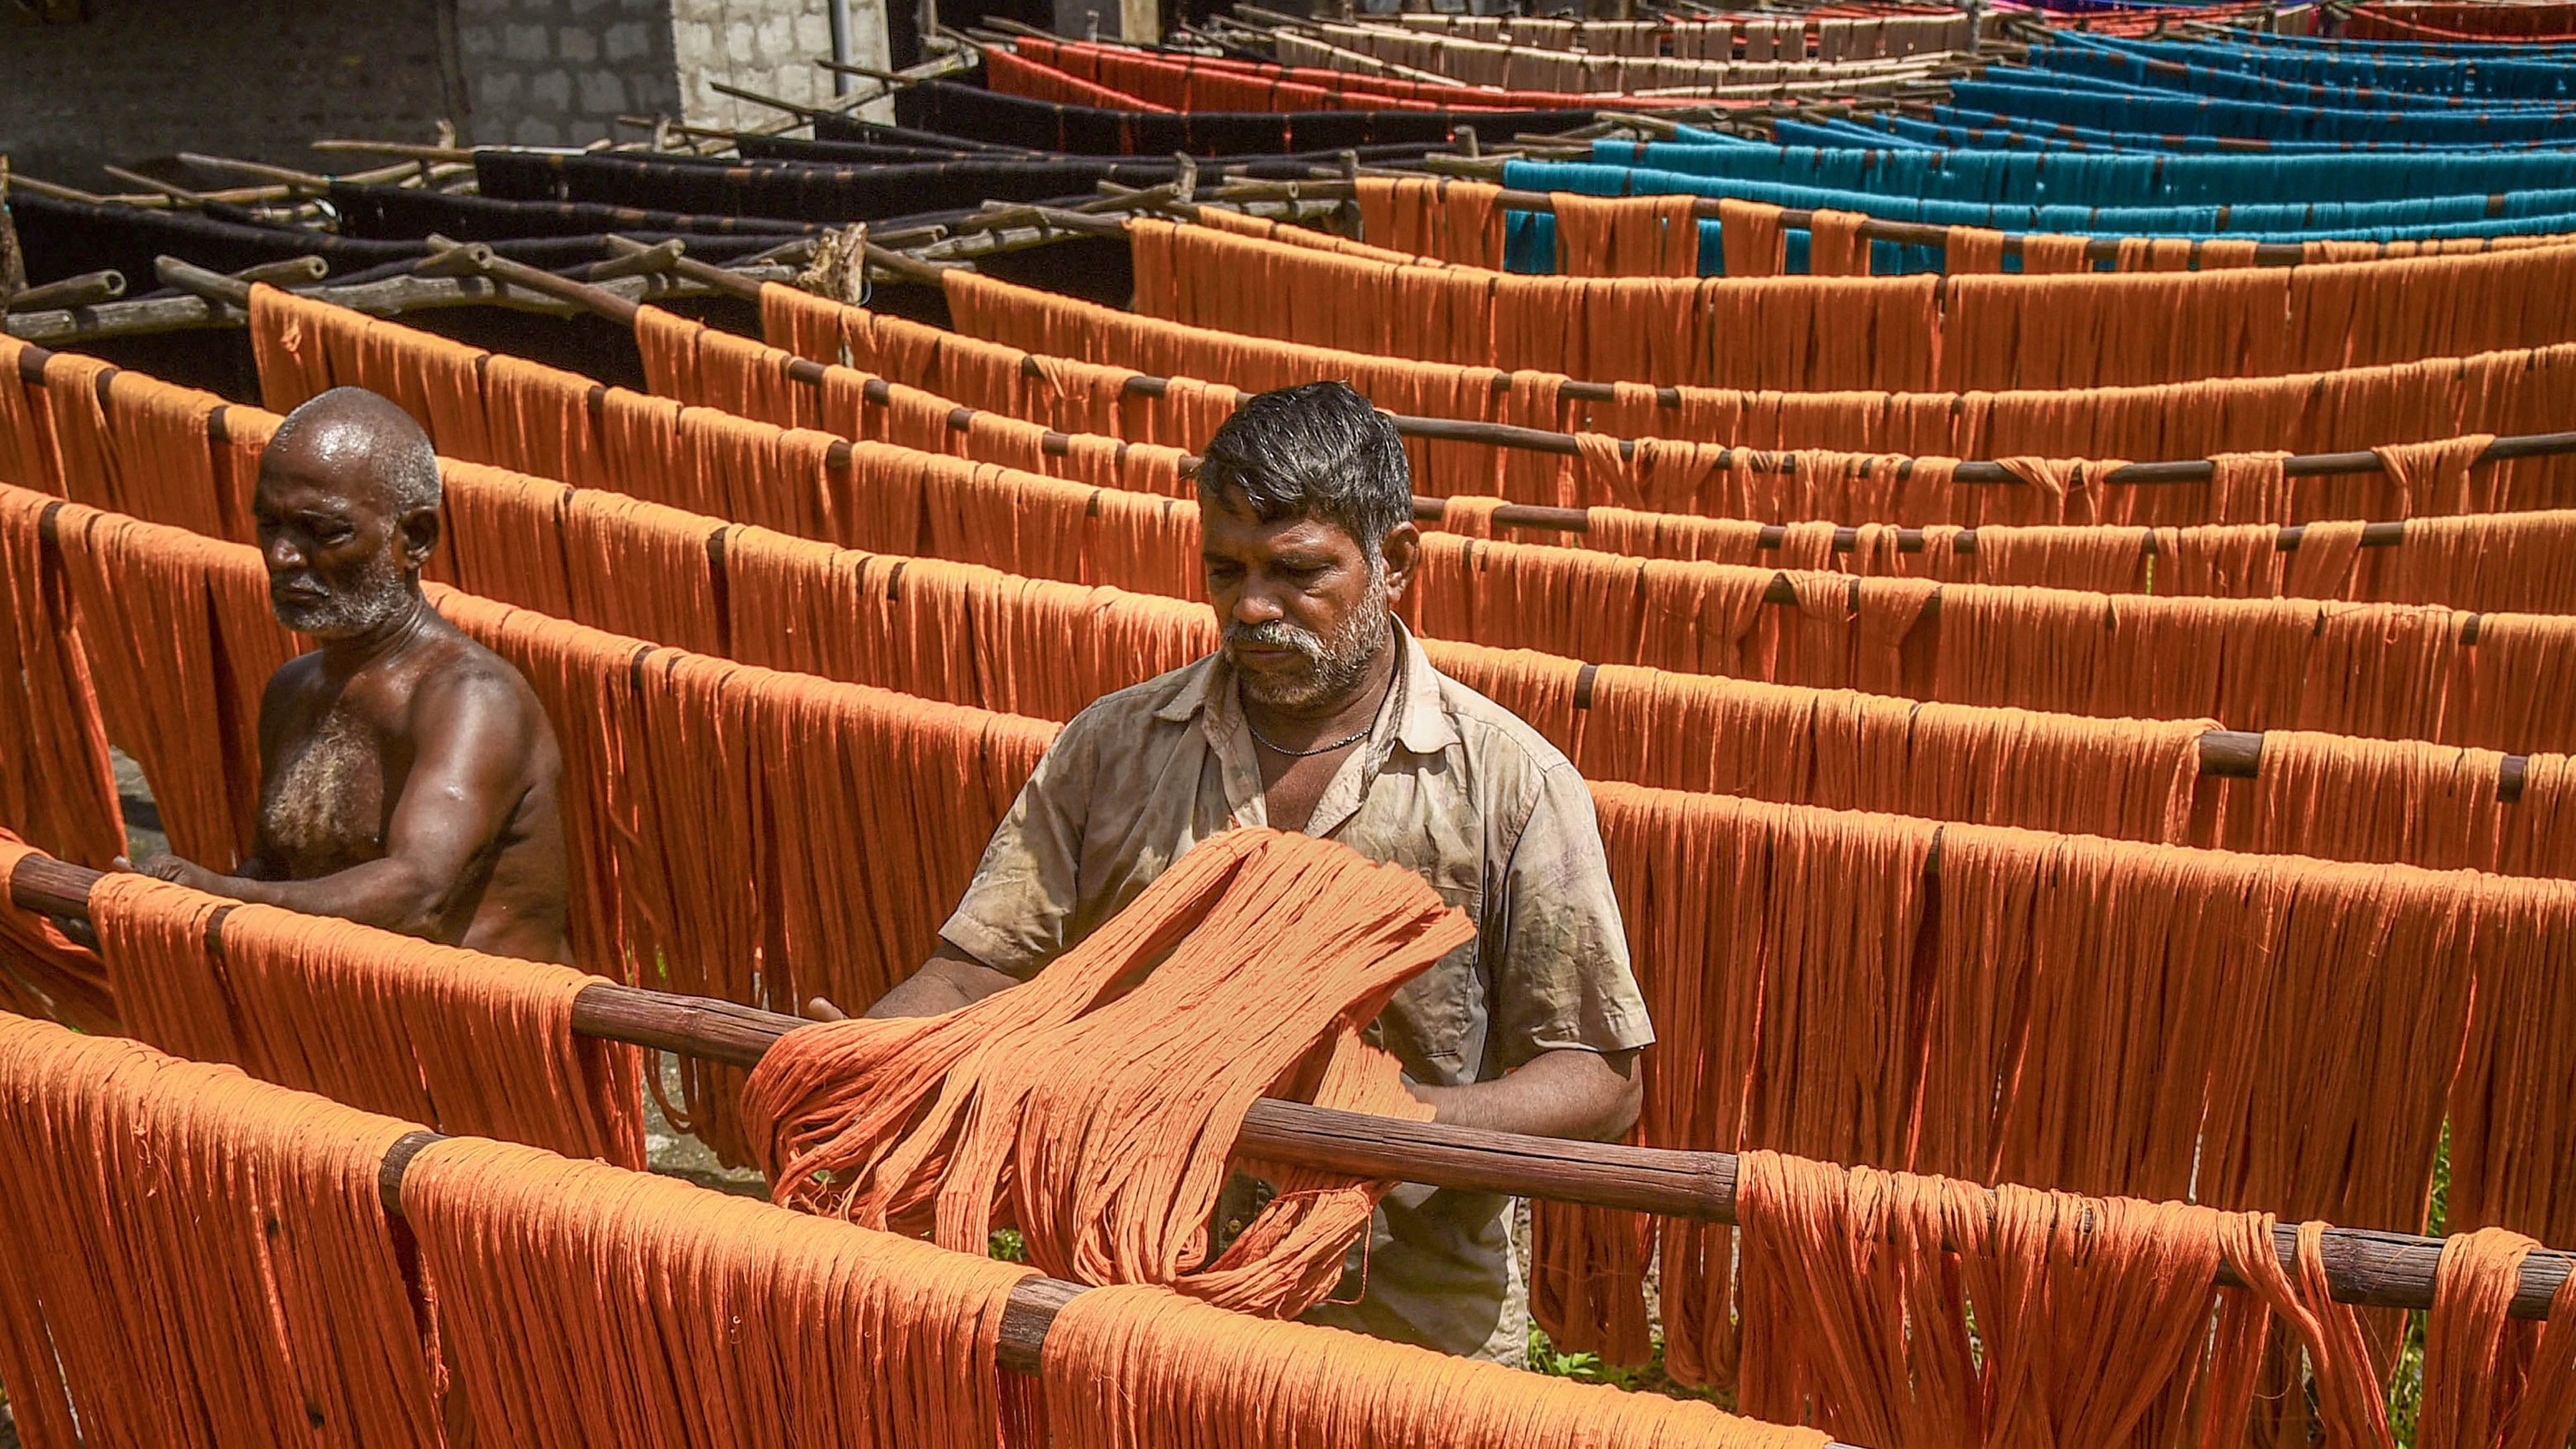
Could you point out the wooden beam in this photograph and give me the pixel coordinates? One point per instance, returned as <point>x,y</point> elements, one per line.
<point>2379,1269</point>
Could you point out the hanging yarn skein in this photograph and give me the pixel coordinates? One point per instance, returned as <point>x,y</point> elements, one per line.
<point>1095,1106</point>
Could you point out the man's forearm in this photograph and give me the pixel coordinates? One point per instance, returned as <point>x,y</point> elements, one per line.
<point>1574,1094</point>
<point>389,894</point>
<point>923,993</point>
<point>944,983</point>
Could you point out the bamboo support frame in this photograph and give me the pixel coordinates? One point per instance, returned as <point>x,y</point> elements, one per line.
<point>2233,754</point>
<point>381,298</point>
<point>2367,1267</point>
<point>650,272</point>
<point>1900,233</point>
<point>1572,520</point>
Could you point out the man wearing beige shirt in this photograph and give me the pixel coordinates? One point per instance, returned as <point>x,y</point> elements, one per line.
<point>1321,714</point>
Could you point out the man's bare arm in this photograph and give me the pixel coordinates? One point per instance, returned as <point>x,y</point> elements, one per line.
<point>948,980</point>
<point>466,782</point>
<point>1570,1093</point>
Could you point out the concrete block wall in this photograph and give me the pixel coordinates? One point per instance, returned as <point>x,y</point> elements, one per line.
<point>767,46</point>
<point>133,80</point>
<point>557,72</point>
<point>258,79</point>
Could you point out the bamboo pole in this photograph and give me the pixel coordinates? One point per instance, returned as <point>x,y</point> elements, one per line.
<point>2363,1266</point>
<point>410,149</point>
<point>181,195</point>
<point>288,272</point>
<point>477,257</point>
<point>298,180</point>
<point>56,191</point>
<point>394,295</point>
<point>86,290</point>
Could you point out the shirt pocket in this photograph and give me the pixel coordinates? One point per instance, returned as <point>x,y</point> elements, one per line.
<point>1435,1023</point>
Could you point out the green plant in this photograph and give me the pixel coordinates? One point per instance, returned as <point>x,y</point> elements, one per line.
<point>1006,1245</point>
<point>1544,1359</point>
<point>1646,1378</point>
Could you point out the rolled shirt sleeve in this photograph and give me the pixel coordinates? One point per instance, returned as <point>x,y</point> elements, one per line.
<point>1562,978</point>
<point>1022,910</point>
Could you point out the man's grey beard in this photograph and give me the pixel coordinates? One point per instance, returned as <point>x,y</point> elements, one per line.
<point>344,615</point>
<point>1333,664</point>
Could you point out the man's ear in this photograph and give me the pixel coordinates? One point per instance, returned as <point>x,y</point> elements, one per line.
<point>1402,550</point>
<point>419,537</point>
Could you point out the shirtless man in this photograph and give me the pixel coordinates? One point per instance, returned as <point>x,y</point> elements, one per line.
<point>408,775</point>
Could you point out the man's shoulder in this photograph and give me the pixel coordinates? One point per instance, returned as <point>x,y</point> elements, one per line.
<point>453,680</point>
<point>1169,695</point>
<point>1493,735</point>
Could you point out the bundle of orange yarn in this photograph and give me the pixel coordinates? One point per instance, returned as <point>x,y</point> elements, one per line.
<point>1096,1106</point>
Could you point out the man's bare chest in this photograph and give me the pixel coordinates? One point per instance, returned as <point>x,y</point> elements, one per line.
<point>323,803</point>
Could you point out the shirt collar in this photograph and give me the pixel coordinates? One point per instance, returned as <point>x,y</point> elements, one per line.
<point>1425,727</point>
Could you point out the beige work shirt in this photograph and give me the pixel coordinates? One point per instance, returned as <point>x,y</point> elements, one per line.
<point>1448,784</point>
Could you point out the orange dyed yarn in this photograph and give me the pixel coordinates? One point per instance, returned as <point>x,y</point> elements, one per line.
<point>2091,1316</point>
<point>702,366</point>
<point>1440,217</point>
<point>197,1257</point>
<point>57,786</point>
<point>1249,968</point>
<point>1291,234</point>
<point>2491,1382</point>
<point>1131,1367</point>
<point>2509,390</point>
<point>964,635</point>
<point>181,643</point>
<point>1078,397</point>
<point>1824,332</point>
<point>1599,236</point>
<point>1857,1025</point>
<point>894,497</point>
<point>581,1304</point>
<point>386,1023</point>
<point>1972,249</point>
<point>27,456</point>
<point>1835,247</point>
<point>42,973</point>
<point>2044,255</point>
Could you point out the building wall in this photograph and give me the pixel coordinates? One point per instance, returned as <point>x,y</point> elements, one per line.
<point>259,79</point>
<point>558,72</point>
<point>767,46</point>
<point>254,79</point>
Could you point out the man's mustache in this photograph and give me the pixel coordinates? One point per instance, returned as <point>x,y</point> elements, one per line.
<point>1275,634</point>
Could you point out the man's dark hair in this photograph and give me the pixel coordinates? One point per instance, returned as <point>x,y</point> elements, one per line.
<point>1313,451</point>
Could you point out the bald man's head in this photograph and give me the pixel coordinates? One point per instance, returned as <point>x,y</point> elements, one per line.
<point>367,439</point>
<point>348,513</point>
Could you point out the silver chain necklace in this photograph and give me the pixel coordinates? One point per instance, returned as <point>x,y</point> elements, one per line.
<point>1344,742</point>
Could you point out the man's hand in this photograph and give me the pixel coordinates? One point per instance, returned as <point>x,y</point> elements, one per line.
<point>178,871</point>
